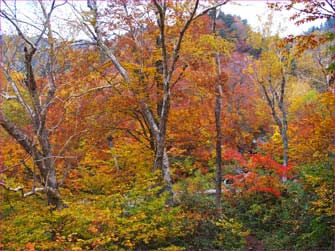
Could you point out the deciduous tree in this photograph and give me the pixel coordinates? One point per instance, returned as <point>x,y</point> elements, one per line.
<point>36,95</point>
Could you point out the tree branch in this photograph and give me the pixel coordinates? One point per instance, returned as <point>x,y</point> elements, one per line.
<point>205,11</point>
<point>20,33</point>
<point>18,95</point>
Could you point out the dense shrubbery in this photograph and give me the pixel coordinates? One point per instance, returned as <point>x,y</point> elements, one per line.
<point>136,219</point>
<point>300,218</point>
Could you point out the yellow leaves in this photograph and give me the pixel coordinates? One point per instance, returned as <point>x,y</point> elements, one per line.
<point>276,137</point>
<point>312,120</point>
<point>232,228</point>
<point>176,151</point>
<point>317,154</point>
<point>297,90</point>
<point>255,39</point>
<point>323,205</point>
<point>270,64</point>
<point>173,248</point>
<point>128,244</point>
<point>76,248</point>
<point>248,70</point>
<point>17,76</point>
<point>215,44</point>
<point>327,99</point>
<point>205,46</point>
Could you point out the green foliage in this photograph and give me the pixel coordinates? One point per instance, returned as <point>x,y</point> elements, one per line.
<point>302,218</point>
<point>128,221</point>
<point>137,219</point>
<point>207,231</point>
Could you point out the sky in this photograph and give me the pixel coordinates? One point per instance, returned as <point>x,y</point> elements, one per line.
<point>251,10</point>
<point>246,9</point>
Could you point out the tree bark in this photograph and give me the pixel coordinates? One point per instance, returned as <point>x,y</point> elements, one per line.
<point>218,186</point>
<point>111,146</point>
<point>38,146</point>
<point>218,109</point>
<point>276,101</point>
<point>285,145</point>
<point>43,161</point>
<point>167,66</point>
<point>284,128</point>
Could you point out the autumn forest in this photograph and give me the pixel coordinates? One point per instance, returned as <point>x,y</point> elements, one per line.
<point>166,125</point>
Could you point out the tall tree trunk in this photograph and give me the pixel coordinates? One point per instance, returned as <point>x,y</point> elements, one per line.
<point>218,109</point>
<point>285,146</point>
<point>48,172</point>
<point>37,108</point>
<point>277,98</point>
<point>43,161</point>
<point>164,160</point>
<point>111,146</point>
<point>54,197</point>
<point>167,65</point>
<point>284,124</point>
<point>167,178</point>
<point>218,186</point>
<point>159,84</point>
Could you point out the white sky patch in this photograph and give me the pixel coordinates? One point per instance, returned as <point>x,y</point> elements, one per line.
<point>253,11</point>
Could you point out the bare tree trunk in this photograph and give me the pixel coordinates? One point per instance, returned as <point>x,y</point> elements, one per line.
<point>276,100</point>
<point>285,152</point>
<point>284,128</point>
<point>159,84</point>
<point>37,108</point>
<point>44,162</point>
<point>165,166</point>
<point>166,65</point>
<point>54,197</point>
<point>218,109</point>
<point>161,137</point>
<point>285,146</point>
<point>111,146</point>
<point>218,186</point>
<point>167,179</point>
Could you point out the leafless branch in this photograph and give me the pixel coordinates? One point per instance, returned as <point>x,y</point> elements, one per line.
<point>16,189</point>
<point>99,88</point>
<point>66,172</point>
<point>180,76</point>
<point>20,189</point>
<point>60,152</point>
<point>18,94</point>
<point>331,5</point>
<point>7,96</point>
<point>15,165</point>
<point>20,33</point>
<point>205,11</point>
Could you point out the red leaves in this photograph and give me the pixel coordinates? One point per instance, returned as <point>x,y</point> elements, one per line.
<point>252,182</point>
<point>30,246</point>
<point>234,155</point>
<point>267,162</point>
<point>258,161</point>
<point>264,174</point>
<point>305,10</point>
<point>271,190</point>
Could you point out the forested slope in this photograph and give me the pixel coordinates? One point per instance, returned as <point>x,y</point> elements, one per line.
<point>113,142</point>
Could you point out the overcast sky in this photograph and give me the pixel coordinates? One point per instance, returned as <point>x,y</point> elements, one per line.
<point>246,9</point>
<point>250,10</point>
